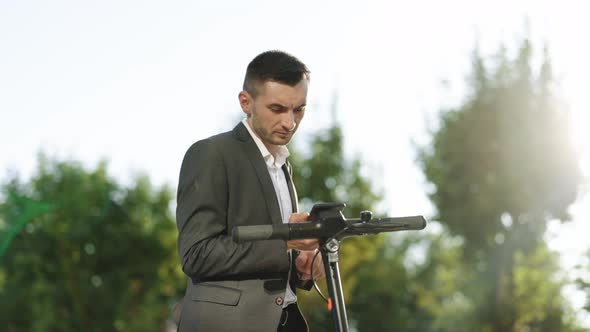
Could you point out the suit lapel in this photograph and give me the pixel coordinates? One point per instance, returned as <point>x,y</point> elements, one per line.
<point>261,170</point>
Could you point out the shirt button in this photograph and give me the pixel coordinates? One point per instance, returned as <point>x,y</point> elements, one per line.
<point>279,301</point>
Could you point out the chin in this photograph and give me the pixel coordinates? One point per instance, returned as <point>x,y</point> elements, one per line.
<point>281,141</point>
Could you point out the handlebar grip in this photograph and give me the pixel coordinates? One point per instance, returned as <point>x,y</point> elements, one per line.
<point>402,223</point>
<point>260,232</point>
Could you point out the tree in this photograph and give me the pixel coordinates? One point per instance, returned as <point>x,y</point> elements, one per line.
<point>583,282</point>
<point>325,175</point>
<point>502,166</point>
<point>386,296</point>
<point>101,257</point>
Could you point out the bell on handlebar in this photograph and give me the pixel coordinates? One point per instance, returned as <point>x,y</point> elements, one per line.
<point>366,216</point>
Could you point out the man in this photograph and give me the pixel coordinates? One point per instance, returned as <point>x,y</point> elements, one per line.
<point>238,178</point>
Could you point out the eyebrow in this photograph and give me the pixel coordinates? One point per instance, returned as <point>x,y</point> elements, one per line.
<point>283,106</point>
<point>277,105</point>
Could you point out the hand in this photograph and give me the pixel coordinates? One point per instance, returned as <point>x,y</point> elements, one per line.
<point>303,265</point>
<point>303,244</point>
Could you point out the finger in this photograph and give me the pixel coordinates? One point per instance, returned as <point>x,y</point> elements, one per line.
<point>318,268</point>
<point>301,261</point>
<point>304,272</point>
<point>298,217</point>
<point>304,245</point>
<point>318,271</point>
<point>313,244</point>
<point>304,276</point>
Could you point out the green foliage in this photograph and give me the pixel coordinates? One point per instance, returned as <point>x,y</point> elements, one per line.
<point>583,281</point>
<point>440,286</point>
<point>102,259</point>
<point>505,152</point>
<point>80,252</point>
<point>385,296</point>
<point>382,292</point>
<point>325,175</point>
<point>537,298</point>
<point>502,166</point>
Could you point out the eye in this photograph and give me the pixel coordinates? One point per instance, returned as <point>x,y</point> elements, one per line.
<point>300,109</point>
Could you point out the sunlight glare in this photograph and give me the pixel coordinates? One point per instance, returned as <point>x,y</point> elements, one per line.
<point>580,133</point>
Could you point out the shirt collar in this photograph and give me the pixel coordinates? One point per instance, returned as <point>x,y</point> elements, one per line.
<point>282,151</point>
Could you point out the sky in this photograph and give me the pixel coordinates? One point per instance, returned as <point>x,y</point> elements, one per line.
<point>137,82</point>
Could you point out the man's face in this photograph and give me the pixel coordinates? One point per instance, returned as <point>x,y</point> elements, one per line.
<point>276,112</point>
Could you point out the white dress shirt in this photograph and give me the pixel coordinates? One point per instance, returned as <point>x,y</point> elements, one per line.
<point>274,163</point>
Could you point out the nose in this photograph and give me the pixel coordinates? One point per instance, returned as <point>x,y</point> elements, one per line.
<point>288,121</point>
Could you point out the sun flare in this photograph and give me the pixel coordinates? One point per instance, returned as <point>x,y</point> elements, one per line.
<point>580,131</point>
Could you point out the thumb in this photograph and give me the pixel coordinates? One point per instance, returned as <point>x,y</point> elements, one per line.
<point>301,261</point>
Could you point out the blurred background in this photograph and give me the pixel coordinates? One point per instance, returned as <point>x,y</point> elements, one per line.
<point>472,113</point>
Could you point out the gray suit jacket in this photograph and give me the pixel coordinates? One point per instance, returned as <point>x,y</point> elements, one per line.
<point>224,183</point>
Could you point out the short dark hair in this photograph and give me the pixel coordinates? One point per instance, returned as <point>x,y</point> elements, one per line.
<point>277,66</point>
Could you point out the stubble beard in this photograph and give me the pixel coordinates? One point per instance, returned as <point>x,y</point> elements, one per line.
<point>271,138</point>
<point>267,137</point>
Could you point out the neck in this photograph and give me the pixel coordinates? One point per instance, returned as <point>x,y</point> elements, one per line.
<point>273,149</point>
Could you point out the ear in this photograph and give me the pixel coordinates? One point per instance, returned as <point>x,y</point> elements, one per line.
<point>245,102</point>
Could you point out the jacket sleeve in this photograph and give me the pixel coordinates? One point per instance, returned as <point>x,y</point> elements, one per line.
<point>205,246</point>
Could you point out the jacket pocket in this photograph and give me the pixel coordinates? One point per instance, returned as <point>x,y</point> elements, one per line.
<point>207,292</point>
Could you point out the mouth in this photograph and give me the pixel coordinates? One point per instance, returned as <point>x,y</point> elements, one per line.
<point>283,134</point>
